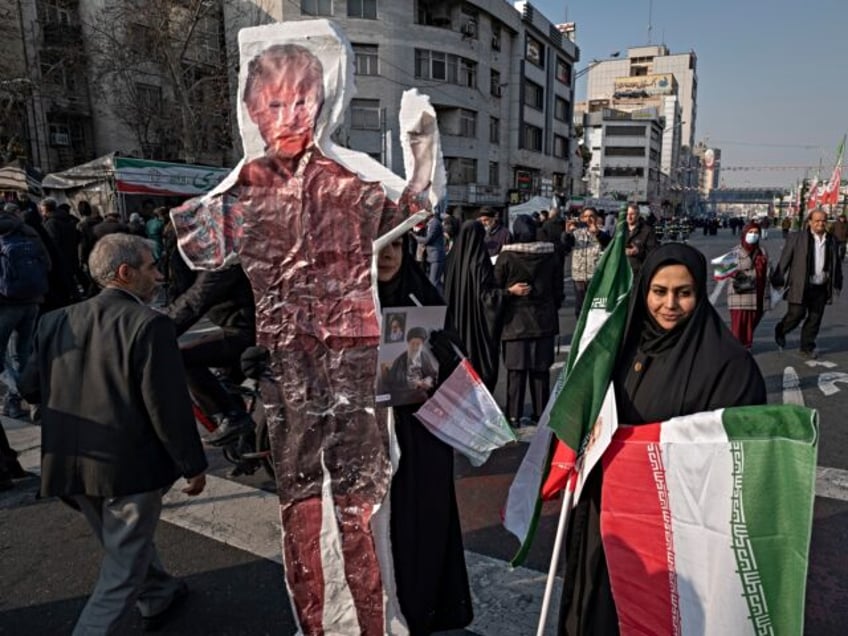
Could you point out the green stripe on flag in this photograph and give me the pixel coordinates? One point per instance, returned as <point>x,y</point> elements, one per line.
<point>590,366</point>
<point>786,421</point>
<point>774,460</point>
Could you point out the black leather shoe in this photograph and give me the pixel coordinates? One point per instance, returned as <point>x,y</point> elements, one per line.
<point>779,338</point>
<point>229,429</point>
<point>157,621</point>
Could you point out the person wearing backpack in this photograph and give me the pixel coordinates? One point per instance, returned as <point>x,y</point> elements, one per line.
<point>24,266</point>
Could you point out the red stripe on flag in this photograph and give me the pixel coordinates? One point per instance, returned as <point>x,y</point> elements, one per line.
<point>562,468</point>
<point>636,533</point>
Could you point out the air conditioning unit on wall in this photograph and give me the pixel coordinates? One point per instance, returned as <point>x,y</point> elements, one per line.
<point>60,139</point>
<point>469,29</point>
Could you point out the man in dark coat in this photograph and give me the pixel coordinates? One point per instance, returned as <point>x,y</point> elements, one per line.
<point>640,241</point>
<point>225,297</point>
<point>117,428</point>
<point>809,266</point>
<point>62,228</point>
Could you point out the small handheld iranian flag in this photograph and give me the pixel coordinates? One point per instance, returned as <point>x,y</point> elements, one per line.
<point>726,265</point>
<point>706,521</point>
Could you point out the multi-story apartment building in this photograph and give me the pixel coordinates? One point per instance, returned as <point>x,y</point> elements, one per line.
<point>58,110</point>
<point>498,74</point>
<point>651,76</point>
<point>626,149</point>
<point>144,78</point>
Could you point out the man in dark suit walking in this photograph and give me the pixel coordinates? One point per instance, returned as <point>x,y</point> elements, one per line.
<point>810,268</point>
<point>117,428</point>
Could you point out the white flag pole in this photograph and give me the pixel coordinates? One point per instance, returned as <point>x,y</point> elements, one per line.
<point>564,513</point>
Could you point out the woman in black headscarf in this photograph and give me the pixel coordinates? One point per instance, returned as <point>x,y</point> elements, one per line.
<point>677,358</point>
<point>474,300</point>
<point>530,322</point>
<point>429,562</point>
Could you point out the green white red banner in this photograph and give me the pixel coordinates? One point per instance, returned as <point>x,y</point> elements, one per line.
<point>140,176</point>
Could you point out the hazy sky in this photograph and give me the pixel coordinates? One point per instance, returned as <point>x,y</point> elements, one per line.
<point>772,89</point>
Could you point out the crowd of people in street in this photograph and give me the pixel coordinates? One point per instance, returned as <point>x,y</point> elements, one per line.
<point>273,267</point>
<point>503,289</point>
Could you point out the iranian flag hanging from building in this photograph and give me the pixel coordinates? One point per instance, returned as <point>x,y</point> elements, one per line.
<point>706,521</point>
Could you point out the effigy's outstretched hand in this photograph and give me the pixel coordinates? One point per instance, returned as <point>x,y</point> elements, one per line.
<point>422,141</point>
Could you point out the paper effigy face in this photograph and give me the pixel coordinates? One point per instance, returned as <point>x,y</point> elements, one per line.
<point>305,218</point>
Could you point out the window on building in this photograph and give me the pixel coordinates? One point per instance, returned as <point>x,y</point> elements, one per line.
<point>362,9</point>
<point>534,51</point>
<point>624,171</point>
<point>559,180</point>
<point>626,131</point>
<point>560,146</point>
<point>56,70</point>
<point>495,83</point>
<point>496,36</point>
<point>437,65</point>
<point>60,134</point>
<point>561,109</point>
<point>467,73</point>
<point>365,114</point>
<point>534,95</point>
<point>461,170</point>
<point>532,138</point>
<point>316,7</point>
<point>430,65</point>
<point>366,57</point>
<point>563,71</point>
<point>148,97</point>
<point>494,130</point>
<point>494,173</point>
<point>467,123</point>
<point>54,12</point>
<point>624,151</point>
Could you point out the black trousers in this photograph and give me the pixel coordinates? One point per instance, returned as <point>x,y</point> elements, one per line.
<point>540,391</point>
<point>221,350</point>
<point>815,299</point>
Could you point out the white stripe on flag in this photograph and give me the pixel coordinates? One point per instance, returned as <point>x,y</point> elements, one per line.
<point>699,478</point>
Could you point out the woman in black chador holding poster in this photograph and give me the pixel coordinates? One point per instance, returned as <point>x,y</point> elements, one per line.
<point>432,582</point>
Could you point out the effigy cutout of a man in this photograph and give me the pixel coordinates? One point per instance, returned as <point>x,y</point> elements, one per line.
<point>303,222</point>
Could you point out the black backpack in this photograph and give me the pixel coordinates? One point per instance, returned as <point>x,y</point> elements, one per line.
<point>24,266</point>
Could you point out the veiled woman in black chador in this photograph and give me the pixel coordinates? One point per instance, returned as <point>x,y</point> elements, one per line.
<point>474,300</point>
<point>677,358</point>
<point>429,562</point>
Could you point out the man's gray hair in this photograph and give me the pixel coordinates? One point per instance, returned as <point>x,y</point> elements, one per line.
<point>112,251</point>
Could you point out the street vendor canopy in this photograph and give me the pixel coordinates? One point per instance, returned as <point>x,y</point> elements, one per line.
<point>139,176</point>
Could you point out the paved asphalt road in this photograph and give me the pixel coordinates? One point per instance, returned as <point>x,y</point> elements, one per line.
<point>226,543</point>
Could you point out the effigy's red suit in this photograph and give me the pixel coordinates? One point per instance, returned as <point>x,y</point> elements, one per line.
<point>305,241</point>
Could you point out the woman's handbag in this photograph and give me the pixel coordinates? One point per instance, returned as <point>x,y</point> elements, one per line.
<point>744,284</point>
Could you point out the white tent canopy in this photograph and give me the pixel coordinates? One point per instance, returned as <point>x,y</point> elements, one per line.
<point>536,204</point>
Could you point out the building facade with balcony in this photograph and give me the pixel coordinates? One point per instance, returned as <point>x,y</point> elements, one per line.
<point>58,108</point>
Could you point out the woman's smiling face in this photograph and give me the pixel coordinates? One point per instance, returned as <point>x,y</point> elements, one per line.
<point>671,295</point>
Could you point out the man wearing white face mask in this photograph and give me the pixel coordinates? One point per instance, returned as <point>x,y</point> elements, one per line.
<point>746,295</point>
